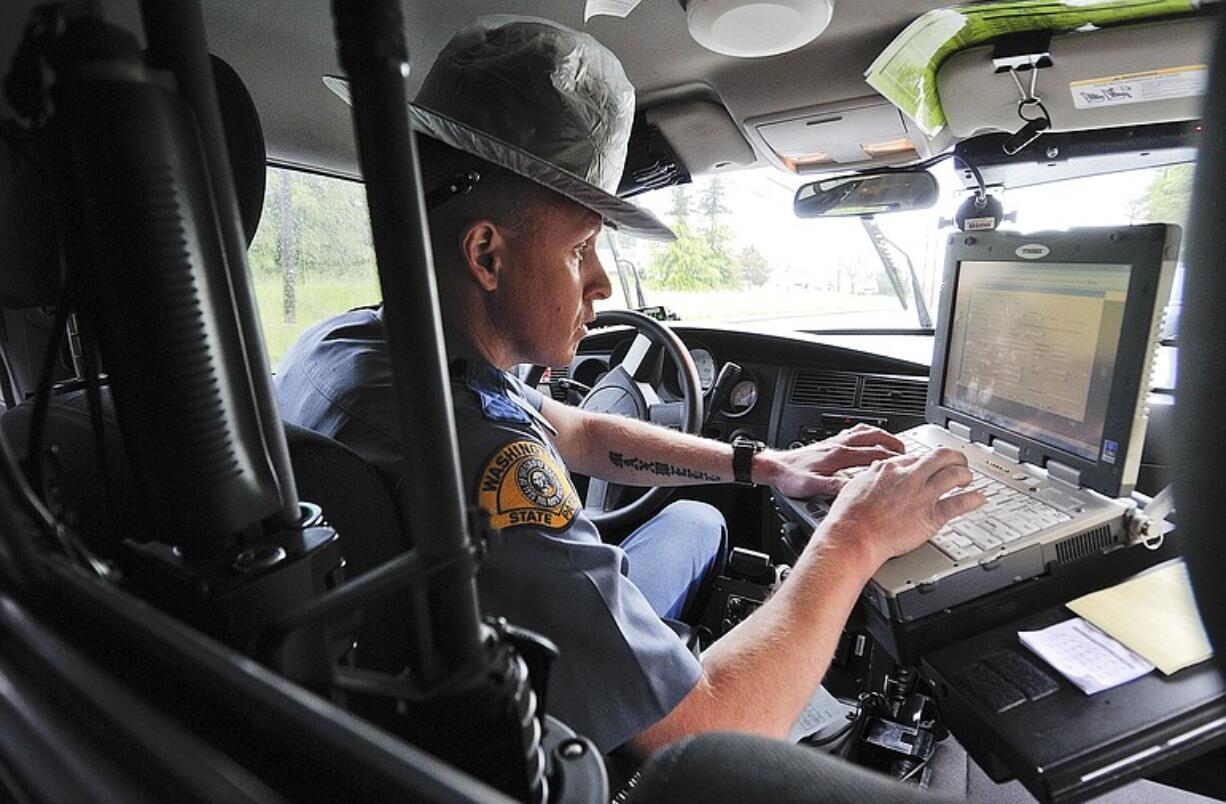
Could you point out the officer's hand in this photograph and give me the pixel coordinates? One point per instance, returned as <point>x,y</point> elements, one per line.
<point>805,471</point>
<point>897,504</point>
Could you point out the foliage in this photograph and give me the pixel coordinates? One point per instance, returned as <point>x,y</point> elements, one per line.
<point>1166,198</point>
<point>685,264</point>
<point>697,260</point>
<point>331,231</point>
<point>755,270</point>
<point>680,210</point>
<point>320,264</point>
<point>318,298</point>
<point>718,235</point>
<point>711,203</point>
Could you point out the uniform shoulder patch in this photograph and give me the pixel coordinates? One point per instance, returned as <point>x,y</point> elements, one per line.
<point>522,483</point>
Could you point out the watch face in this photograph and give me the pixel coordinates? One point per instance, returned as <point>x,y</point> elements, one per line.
<point>743,450</point>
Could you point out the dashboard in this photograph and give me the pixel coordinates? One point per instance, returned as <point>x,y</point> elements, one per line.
<point>792,389</point>
<point>799,388</point>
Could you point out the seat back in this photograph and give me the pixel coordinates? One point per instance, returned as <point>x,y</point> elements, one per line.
<point>358,504</point>
<point>103,504</point>
<point>105,509</point>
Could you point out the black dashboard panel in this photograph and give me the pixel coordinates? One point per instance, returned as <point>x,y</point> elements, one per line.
<point>806,389</point>
<point>817,403</point>
<point>809,388</point>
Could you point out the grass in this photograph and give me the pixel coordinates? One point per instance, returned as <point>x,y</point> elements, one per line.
<point>317,298</point>
<point>321,296</point>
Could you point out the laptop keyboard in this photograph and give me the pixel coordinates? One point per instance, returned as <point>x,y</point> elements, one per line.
<point>1008,514</point>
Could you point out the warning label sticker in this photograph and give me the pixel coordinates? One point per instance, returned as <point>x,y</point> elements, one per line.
<point>1152,85</point>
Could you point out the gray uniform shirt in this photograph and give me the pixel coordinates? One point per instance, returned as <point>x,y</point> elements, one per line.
<point>621,667</point>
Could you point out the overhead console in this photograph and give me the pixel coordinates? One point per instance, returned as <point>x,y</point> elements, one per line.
<point>837,137</point>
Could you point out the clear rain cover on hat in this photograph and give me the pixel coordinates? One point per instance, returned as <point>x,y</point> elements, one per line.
<point>544,101</point>
<point>551,91</point>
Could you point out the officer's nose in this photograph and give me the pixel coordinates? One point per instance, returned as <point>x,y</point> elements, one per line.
<point>596,284</point>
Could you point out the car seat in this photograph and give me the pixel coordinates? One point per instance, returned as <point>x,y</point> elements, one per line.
<point>103,505</point>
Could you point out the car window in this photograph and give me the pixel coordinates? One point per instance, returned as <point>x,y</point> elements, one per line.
<point>743,258</point>
<point>312,255</point>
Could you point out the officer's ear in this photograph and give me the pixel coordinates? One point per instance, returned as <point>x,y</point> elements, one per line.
<point>483,247</point>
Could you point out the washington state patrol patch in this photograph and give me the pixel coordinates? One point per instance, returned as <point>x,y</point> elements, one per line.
<point>523,484</point>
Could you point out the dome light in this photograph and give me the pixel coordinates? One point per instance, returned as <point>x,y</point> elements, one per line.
<point>754,28</point>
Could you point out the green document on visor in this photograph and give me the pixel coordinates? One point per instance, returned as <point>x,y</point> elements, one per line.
<point>906,71</point>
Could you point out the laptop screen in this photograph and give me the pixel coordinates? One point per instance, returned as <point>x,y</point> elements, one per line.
<point>1033,347</point>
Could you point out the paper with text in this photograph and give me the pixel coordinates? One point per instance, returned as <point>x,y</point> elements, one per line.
<point>608,8</point>
<point>1085,655</point>
<point>824,712</point>
<point>1154,615</point>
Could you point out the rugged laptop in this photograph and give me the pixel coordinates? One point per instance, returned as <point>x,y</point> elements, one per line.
<point>1040,374</point>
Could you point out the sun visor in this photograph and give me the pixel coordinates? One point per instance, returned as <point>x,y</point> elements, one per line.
<point>1125,76</point>
<point>702,133</point>
<point>856,134</point>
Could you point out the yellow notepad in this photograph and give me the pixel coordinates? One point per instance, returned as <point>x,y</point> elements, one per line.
<point>1154,615</point>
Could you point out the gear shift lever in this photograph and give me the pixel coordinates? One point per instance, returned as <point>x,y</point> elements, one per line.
<point>720,390</point>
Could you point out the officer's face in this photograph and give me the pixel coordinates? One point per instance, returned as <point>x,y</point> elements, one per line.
<point>550,282</point>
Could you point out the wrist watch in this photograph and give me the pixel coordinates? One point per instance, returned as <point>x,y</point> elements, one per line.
<point>743,450</point>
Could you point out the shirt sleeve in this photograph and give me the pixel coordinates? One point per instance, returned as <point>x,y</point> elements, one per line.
<point>621,668</point>
<point>532,396</point>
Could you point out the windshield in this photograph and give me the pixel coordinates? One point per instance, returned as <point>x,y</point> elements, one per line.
<point>742,257</point>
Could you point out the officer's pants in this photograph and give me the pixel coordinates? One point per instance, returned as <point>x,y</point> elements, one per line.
<point>673,552</point>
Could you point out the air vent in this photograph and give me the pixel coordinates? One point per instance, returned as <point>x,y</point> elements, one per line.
<point>894,395</point>
<point>556,389</point>
<point>1087,544</point>
<point>824,388</point>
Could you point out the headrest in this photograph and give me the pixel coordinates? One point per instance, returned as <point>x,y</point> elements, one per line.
<point>29,261</point>
<point>245,142</point>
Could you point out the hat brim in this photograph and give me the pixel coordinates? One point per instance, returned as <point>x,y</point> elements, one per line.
<point>621,214</point>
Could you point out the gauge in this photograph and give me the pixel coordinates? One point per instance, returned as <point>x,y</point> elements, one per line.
<point>706,368</point>
<point>743,397</point>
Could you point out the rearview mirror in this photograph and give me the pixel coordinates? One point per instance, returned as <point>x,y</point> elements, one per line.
<point>866,194</point>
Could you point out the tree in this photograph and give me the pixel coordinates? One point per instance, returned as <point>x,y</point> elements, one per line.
<point>287,250</point>
<point>711,204</point>
<point>755,270</point>
<point>1166,198</point>
<point>847,271</point>
<point>680,210</point>
<point>685,264</point>
<point>717,235</point>
<point>696,260</point>
<point>311,226</point>
<point>688,262</point>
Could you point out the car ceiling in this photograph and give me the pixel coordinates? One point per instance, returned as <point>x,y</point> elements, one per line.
<point>281,48</point>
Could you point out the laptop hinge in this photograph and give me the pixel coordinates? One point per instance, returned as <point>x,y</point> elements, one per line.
<point>1007,450</point>
<point>1064,472</point>
<point>960,430</point>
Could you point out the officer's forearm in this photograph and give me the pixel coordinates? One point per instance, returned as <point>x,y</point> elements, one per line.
<point>636,453</point>
<point>758,677</point>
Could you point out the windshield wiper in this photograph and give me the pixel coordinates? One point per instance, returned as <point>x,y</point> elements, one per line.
<point>885,247</point>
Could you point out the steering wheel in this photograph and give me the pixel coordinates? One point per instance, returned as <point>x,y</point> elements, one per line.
<point>629,389</point>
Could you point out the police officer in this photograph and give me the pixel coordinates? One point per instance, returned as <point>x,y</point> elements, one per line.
<point>526,124</point>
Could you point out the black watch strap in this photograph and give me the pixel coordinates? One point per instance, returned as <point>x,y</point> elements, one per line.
<point>743,450</point>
